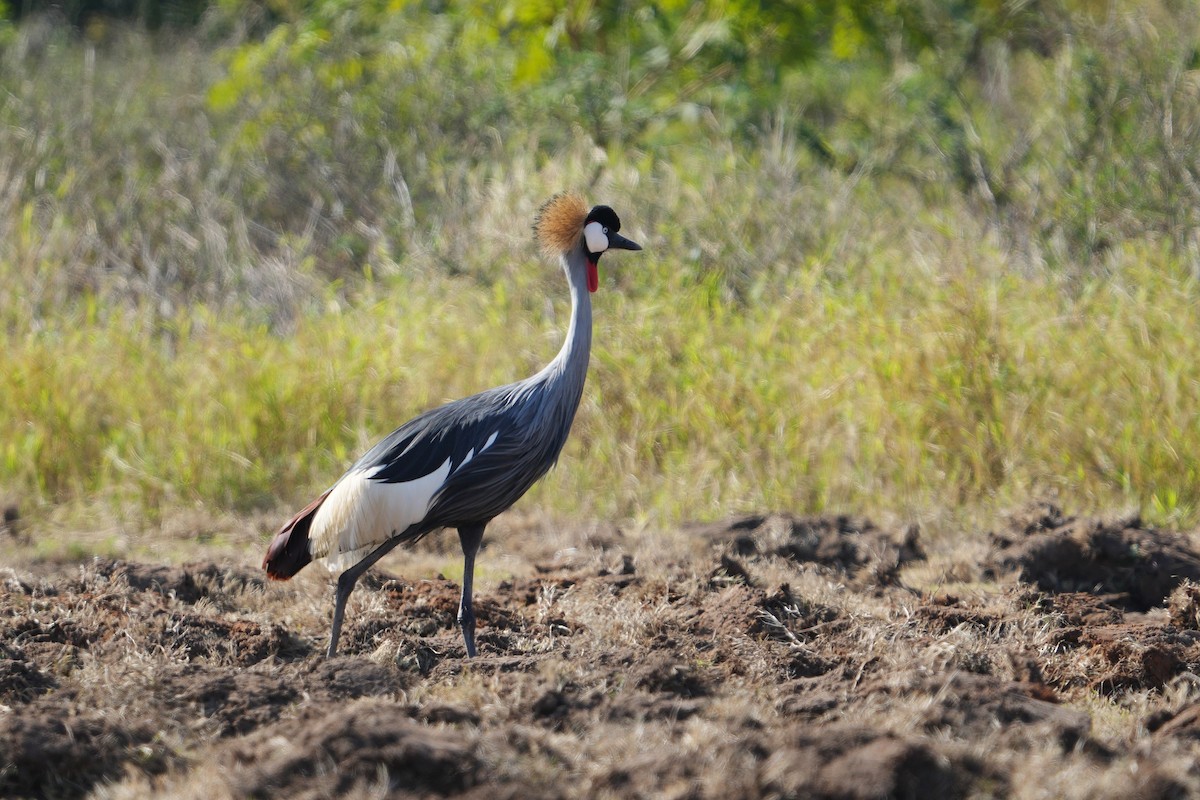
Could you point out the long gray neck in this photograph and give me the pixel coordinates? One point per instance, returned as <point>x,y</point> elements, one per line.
<point>576,350</point>
<point>565,375</point>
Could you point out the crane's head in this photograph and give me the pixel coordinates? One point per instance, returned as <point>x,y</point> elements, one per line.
<point>565,223</point>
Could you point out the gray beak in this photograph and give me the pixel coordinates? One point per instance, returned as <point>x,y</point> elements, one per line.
<point>619,242</point>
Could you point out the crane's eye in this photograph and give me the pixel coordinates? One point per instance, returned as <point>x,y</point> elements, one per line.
<point>606,230</point>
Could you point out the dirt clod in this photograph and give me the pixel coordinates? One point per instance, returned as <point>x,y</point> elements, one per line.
<point>1137,566</point>
<point>329,752</point>
<point>979,703</point>
<point>349,677</point>
<point>1183,605</point>
<point>1122,657</point>
<point>21,681</point>
<point>851,545</point>
<point>448,713</point>
<point>661,673</point>
<point>851,762</point>
<point>47,750</point>
<point>242,641</point>
<point>238,702</point>
<point>170,581</point>
<point>1183,723</point>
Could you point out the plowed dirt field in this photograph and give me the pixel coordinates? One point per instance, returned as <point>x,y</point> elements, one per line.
<point>764,656</point>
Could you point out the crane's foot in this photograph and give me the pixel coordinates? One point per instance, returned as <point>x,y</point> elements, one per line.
<point>466,621</point>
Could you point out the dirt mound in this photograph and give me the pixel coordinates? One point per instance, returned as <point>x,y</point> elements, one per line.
<point>1139,567</point>
<point>973,705</point>
<point>662,674</point>
<point>419,609</point>
<point>851,545</point>
<point>52,750</point>
<point>416,612</point>
<point>1183,606</point>
<point>1183,723</point>
<point>176,582</point>
<point>324,753</point>
<point>60,631</point>
<point>852,762</point>
<point>750,610</point>
<point>945,612</point>
<point>236,702</point>
<point>188,584</point>
<point>1083,641</point>
<point>1083,609</point>
<point>346,678</point>
<point>21,681</point>
<point>1124,656</point>
<point>241,642</point>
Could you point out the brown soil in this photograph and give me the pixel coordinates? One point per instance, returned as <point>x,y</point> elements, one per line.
<point>772,656</point>
<point>1138,567</point>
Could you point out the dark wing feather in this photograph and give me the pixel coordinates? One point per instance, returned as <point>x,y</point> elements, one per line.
<point>491,482</point>
<point>423,444</point>
<point>527,447</point>
<point>496,475</point>
<point>527,426</point>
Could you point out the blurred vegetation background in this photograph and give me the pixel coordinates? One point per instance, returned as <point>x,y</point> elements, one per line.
<point>917,258</point>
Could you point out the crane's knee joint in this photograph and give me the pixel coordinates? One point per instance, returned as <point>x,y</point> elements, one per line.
<point>345,583</point>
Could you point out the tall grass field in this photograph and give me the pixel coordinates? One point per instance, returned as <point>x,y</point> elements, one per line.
<point>927,276</point>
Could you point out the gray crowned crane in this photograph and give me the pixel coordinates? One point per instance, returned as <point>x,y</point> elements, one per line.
<point>460,465</point>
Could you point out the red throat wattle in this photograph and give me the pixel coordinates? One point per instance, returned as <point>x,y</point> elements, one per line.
<point>593,276</point>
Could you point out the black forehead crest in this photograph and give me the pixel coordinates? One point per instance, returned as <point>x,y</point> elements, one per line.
<point>605,216</point>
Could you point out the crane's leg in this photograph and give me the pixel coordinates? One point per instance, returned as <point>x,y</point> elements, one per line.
<point>470,537</point>
<point>345,586</point>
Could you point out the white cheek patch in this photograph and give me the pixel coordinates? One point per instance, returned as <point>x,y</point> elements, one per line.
<point>596,238</point>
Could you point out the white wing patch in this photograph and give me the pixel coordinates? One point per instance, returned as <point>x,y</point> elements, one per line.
<point>360,514</point>
<point>491,440</point>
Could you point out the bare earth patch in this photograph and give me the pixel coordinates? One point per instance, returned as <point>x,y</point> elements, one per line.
<point>766,656</point>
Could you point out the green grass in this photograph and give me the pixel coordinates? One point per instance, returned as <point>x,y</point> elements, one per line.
<point>187,321</point>
<point>887,393</point>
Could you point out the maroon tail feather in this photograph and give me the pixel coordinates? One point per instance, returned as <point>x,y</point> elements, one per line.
<point>288,552</point>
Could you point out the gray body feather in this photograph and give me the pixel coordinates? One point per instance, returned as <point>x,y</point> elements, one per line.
<point>499,442</point>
